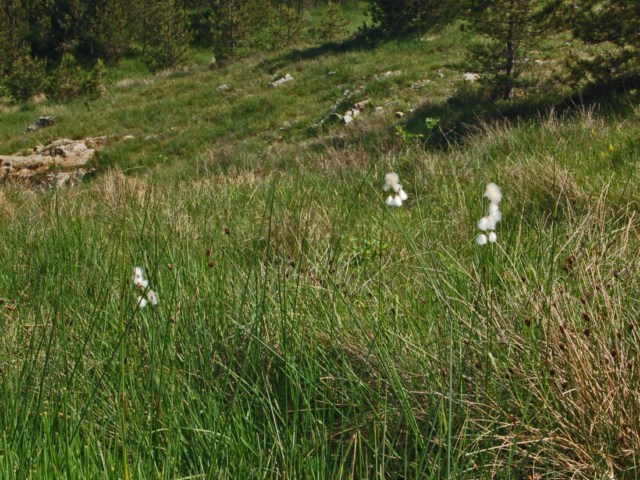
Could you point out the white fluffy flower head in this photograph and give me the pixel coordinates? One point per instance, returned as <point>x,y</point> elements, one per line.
<point>394,201</point>
<point>391,180</point>
<point>488,223</point>
<point>138,278</point>
<point>142,283</point>
<point>152,297</point>
<point>493,193</point>
<point>481,239</point>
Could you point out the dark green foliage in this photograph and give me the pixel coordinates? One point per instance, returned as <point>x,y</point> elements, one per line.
<point>56,27</point>
<point>233,23</point>
<point>168,35</point>
<point>24,78</point>
<point>285,26</point>
<point>332,24</point>
<point>65,82</point>
<point>93,86</point>
<point>508,30</point>
<point>68,81</point>
<point>399,17</point>
<point>108,36</point>
<point>612,28</point>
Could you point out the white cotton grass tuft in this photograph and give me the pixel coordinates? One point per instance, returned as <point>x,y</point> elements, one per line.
<point>489,222</point>
<point>392,182</point>
<point>142,284</point>
<point>152,297</point>
<point>493,193</point>
<point>486,223</point>
<point>481,239</point>
<point>394,201</point>
<point>494,211</point>
<point>138,277</point>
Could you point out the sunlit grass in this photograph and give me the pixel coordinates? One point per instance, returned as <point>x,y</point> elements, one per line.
<point>304,328</point>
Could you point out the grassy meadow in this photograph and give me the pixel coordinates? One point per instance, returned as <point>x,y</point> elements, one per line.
<point>304,329</point>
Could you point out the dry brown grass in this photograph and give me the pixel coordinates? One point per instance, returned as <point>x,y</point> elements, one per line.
<point>575,348</point>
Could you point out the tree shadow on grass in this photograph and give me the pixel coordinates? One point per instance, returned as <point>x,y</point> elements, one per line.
<point>449,123</point>
<point>361,41</point>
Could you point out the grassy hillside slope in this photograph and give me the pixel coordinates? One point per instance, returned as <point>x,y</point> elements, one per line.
<point>304,329</point>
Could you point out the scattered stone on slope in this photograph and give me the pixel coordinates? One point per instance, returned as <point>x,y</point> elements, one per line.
<point>62,162</point>
<point>343,102</point>
<point>362,104</point>
<point>389,73</point>
<point>420,84</point>
<point>471,77</point>
<point>287,78</point>
<point>40,123</point>
<point>223,88</point>
<point>399,114</point>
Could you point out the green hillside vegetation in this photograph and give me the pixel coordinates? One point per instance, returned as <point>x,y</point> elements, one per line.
<point>304,329</point>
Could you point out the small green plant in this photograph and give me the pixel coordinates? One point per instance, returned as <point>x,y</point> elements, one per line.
<point>431,123</point>
<point>407,137</point>
<point>365,251</point>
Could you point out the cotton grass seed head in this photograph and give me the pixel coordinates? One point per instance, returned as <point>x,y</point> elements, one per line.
<point>391,181</point>
<point>494,211</point>
<point>485,223</point>
<point>141,283</point>
<point>489,222</point>
<point>141,302</point>
<point>394,201</point>
<point>152,297</point>
<point>138,277</point>
<point>493,193</point>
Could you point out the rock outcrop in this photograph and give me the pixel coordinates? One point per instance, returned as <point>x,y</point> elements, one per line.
<point>281,81</point>
<point>63,162</point>
<point>40,123</point>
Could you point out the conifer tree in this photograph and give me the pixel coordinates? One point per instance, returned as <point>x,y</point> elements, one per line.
<point>20,72</point>
<point>286,25</point>
<point>233,22</point>
<point>168,35</point>
<point>13,33</point>
<point>400,17</point>
<point>108,36</point>
<point>611,26</point>
<point>509,28</point>
<point>332,23</point>
<point>56,27</point>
